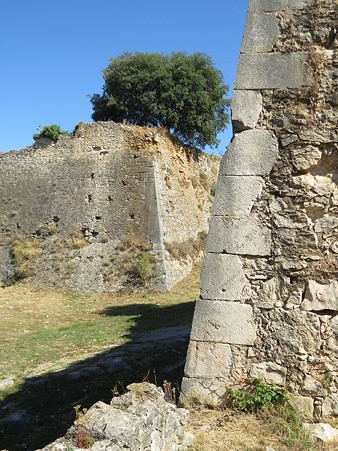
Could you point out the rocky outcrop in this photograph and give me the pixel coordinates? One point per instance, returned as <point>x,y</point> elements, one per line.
<point>269,295</point>
<point>140,420</point>
<point>112,206</point>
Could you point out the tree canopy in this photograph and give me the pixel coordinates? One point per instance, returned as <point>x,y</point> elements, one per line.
<point>184,93</point>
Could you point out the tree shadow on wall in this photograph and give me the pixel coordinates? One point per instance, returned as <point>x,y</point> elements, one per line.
<point>43,407</point>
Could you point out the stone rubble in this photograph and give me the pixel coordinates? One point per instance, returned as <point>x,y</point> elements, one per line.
<point>140,420</point>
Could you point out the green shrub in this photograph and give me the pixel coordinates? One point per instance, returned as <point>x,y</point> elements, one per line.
<point>254,396</point>
<point>52,132</point>
<point>144,268</point>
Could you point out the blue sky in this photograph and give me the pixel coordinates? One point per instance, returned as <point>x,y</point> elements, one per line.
<point>53,52</point>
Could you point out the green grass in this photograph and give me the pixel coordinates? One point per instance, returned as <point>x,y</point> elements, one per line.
<point>42,328</point>
<point>47,336</point>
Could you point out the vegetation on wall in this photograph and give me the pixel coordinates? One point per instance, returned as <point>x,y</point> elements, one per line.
<point>184,93</point>
<point>52,132</point>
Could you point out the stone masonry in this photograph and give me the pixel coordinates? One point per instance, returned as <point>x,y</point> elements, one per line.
<point>80,212</point>
<point>269,290</point>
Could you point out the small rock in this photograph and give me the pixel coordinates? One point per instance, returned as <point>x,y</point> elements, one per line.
<point>321,432</point>
<point>7,382</point>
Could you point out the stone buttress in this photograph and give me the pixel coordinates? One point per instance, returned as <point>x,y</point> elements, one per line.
<point>269,291</point>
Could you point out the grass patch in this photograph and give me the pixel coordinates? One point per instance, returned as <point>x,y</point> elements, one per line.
<point>287,423</point>
<point>49,337</point>
<point>41,327</point>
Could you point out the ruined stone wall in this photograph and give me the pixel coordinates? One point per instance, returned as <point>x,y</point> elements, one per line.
<point>110,186</point>
<point>269,290</point>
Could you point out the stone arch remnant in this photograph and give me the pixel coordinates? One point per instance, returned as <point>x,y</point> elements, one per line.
<point>269,290</point>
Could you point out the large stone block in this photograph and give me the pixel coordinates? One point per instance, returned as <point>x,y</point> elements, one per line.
<point>235,195</point>
<point>206,391</point>
<point>320,297</point>
<point>270,372</point>
<point>222,277</point>
<point>223,322</point>
<point>252,152</point>
<point>273,71</point>
<point>278,5</point>
<point>208,360</point>
<point>241,236</point>
<point>304,404</point>
<point>330,406</point>
<point>246,107</point>
<point>261,32</point>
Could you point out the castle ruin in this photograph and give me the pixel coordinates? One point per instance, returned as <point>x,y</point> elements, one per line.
<point>83,212</point>
<point>269,291</point>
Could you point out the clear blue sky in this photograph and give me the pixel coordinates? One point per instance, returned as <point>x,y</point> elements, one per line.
<point>52,52</point>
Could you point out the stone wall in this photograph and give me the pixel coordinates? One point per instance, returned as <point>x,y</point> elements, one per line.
<point>87,199</point>
<point>269,290</point>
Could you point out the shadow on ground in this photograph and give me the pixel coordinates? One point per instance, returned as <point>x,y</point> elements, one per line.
<point>43,407</point>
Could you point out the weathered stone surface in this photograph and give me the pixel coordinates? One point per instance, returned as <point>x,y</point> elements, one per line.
<point>320,297</point>
<point>264,39</point>
<point>288,336</point>
<point>223,322</point>
<point>313,387</point>
<point>222,277</point>
<point>246,107</point>
<point>240,236</point>
<point>306,158</point>
<point>208,360</point>
<point>278,5</point>
<point>322,432</point>
<point>207,391</point>
<point>303,404</point>
<point>235,195</point>
<point>285,124</point>
<point>285,218</point>
<point>252,152</point>
<point>330,406</point>
<point>80,198</point>
<point>273,71</point>
<point>268,294</point>
<point>139,420</point>
<point>270,372</point>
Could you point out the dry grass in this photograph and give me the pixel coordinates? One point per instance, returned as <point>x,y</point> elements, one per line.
<point>223,430</point>
<point>43,328</point>
<point>215,430</point>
